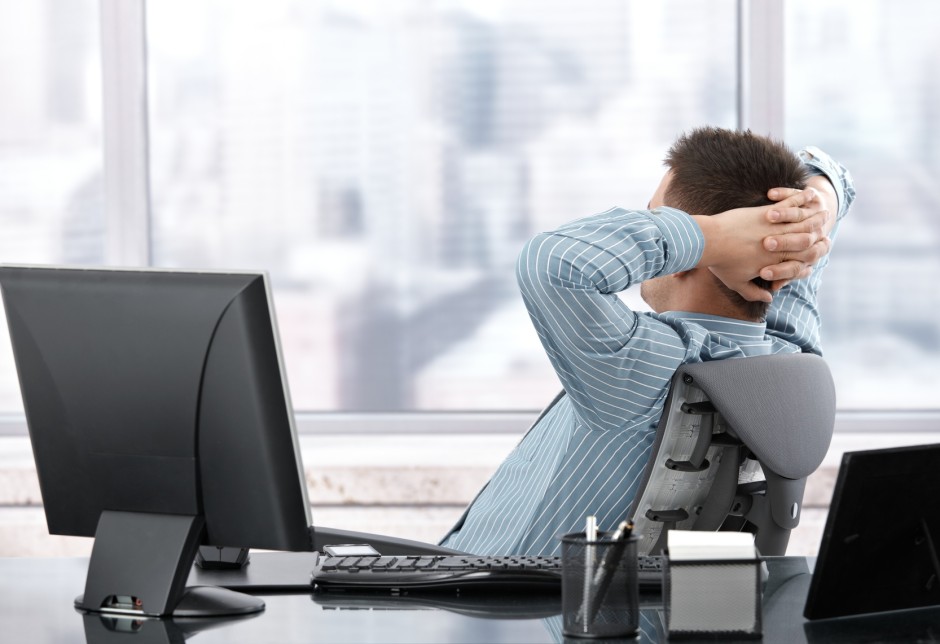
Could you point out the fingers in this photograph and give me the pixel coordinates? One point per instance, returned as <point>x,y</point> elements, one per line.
<point>793,215</point>
<point>797,265</point>
<point>815,252</point>
<point>779,194</point>
<point>792,196</point>
<point>786,271</point>
<point>792,242</point>
<point>799,236</point>
<point>817,220</point>
<point>792,205</point>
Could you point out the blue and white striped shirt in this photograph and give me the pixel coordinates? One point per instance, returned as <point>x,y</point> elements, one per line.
<point>586,454</point>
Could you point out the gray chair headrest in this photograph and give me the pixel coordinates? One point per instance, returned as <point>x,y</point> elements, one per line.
<point>781,406</point>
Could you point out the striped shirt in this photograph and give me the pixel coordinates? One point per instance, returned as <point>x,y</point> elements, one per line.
<point>586,453</point>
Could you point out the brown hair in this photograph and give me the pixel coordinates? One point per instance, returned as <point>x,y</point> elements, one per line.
<point>714,170</point>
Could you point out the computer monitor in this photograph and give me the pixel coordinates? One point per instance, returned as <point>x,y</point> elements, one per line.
<point>880,549</point>
<point>160,420</point>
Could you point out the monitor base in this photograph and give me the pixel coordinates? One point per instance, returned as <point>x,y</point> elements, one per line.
<point>139,566</point>
<point>197,601</point>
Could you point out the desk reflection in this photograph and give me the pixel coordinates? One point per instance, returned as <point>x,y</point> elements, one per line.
<point>105,629</point>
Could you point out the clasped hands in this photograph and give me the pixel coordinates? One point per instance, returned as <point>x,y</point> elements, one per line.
<point>779,243</point>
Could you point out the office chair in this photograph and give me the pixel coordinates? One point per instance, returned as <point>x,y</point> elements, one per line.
<point>733,448</point>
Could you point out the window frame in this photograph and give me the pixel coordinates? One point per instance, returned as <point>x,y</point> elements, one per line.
<point>517,422</point>
<point>125,129</point>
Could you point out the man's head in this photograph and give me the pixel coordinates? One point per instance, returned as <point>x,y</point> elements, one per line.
<point>711,170</point>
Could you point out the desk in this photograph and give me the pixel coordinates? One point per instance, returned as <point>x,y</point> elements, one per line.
<point>36,608</point>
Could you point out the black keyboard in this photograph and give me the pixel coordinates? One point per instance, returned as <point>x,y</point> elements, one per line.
<point>450,572</point>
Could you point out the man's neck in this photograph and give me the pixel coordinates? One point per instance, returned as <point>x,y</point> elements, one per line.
<point>703,296</point>
<point>702,292</point>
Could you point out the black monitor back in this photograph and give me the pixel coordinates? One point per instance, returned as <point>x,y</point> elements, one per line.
<point>158,392</point>
<point>879,549</point>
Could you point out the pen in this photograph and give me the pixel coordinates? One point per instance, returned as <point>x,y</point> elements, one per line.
<point>590,528</point>
<point>605,572</point>
<point>590,537</point>
<point>623,531</point>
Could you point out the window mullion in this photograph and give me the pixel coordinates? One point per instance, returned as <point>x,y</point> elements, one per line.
<point>125,130</point>
<point>760,67</point>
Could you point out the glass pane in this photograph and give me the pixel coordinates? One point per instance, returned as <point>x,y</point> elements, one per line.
<point>863,85</point>
<point>386,162</point>
<point>50,144</point>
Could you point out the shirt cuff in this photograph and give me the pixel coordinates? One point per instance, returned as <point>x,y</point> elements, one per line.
<point>818,163</point>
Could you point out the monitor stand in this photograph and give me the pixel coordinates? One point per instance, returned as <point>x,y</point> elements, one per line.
<point>139,566</point>
<point>222,558</point>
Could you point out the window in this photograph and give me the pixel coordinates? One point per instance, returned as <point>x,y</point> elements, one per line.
<point>854,90</point>
<point>386,162</point>
<point>50,144</point>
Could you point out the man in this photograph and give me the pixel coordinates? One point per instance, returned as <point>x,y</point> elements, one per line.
<point>701,275</point>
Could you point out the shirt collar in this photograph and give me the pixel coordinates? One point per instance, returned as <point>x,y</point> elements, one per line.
<point>739,331</point>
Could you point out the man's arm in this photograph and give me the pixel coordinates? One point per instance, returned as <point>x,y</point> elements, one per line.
<point>793,315</point>
<point>612,362</point>
<point>609,360</point>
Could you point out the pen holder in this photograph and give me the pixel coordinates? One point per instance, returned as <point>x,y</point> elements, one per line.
<point>599,589</point>
<point>714,598</point>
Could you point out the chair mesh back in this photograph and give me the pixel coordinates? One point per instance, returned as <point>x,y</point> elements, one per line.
<point>781,407</point>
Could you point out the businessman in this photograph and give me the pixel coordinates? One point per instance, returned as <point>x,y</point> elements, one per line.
<point>726,285</point>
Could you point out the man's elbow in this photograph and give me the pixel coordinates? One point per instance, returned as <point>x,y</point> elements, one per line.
<point>532,260</point>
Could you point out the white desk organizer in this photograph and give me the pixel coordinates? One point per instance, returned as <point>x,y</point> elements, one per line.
<point>712,585</point>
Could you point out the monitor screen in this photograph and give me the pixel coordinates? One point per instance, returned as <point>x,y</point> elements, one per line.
<point>153,397</point>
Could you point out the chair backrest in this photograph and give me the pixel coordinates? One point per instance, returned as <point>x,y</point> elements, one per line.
<point>734,446</point>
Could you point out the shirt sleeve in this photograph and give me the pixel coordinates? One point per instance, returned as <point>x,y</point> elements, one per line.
<point>793,315</point>
<point>611,361</point>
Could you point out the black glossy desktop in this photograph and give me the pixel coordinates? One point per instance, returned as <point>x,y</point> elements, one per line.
<point>36,598</point>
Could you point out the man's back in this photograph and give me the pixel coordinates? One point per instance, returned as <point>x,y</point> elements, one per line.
<point>587,454</point>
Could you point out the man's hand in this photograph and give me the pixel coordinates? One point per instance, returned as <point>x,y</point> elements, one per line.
<point>797,267</point>
<point>779,242</point>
